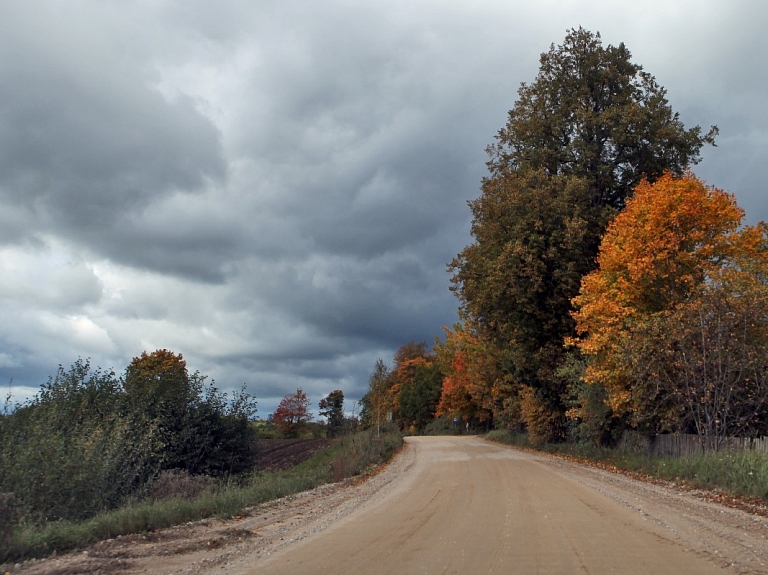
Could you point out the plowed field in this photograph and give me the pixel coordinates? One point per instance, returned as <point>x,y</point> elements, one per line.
<point>279,454</point>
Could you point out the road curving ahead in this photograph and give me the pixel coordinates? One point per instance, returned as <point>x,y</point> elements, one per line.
<point>468,506</point>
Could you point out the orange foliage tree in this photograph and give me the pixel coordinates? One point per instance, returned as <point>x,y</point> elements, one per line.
<point>470,368</point>
<point>675,242</point>
<point>159,379</point>
<point>292,413</point>
<point>414,384</point>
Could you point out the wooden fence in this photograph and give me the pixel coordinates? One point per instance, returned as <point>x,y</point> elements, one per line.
<point>680,445</point>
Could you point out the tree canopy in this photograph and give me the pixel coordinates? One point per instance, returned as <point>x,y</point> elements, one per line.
<point>292,413</point>
<point>576,143</point>
<point>332,408</point>
<point>159,381</point>
<point>679,295</point>
<point>593,113</point>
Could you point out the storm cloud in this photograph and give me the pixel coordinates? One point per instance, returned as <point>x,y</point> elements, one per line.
<point>274,189</point>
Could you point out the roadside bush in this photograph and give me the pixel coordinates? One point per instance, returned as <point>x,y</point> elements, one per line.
<point>202,430</point>
<point>509,437</point>
<point>743,472</point>
<point>364,449</point>
<point>178,483</point>
<point>740,473</point>
<point>71,451</point>
<point>443,425</point>
<point>212,436</point>
<point>8,515</point>
<point>83,445</point>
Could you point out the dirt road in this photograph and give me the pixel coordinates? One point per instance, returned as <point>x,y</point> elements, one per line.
<point>467,506</point>
<point>452,505</point>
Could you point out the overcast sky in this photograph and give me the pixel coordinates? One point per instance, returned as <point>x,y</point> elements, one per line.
<point>273,189</point>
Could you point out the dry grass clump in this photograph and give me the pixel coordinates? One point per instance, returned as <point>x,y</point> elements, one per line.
<point>178,483</point>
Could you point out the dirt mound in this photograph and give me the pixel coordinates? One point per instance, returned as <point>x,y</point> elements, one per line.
<point>280,454</point>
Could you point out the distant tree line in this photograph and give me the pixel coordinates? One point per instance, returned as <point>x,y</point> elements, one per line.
<point>407,394</point>
<point>293,415</point>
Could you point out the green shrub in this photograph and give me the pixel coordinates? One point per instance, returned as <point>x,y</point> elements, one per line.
<point>71,452</point>
<point>742,473</point>
<point>355,453</point>
<point>8,516</point>
<point>362,450</point>
<point>83,445</point>
<point>509,437</point>
<point>443,425</point>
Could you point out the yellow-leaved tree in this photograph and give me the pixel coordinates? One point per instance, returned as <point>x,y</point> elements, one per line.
<point>675,267</point>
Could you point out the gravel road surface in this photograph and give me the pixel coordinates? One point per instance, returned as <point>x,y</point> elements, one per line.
<point>468,506</point>
<point>454,505</point>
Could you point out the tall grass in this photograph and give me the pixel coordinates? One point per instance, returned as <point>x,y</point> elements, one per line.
<point>349,456</point>
<point>742,473</point>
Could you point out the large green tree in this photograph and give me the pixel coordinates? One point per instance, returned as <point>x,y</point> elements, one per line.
<point>578,140</point>
<point>593,113</point>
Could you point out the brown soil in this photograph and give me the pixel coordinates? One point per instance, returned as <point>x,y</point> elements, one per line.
<point>280,454</point>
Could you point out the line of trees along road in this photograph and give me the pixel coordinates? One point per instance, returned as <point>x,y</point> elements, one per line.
<point>606,287</point>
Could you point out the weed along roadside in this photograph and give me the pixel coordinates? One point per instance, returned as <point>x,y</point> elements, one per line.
<point>735,478</point>
<point>348,456</point>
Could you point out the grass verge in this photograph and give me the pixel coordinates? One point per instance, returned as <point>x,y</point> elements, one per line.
<point>351,455</point>
<point>743,473</point>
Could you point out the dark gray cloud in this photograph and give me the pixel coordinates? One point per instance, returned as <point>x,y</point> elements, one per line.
<point>274,189</point>
<point>87,140</point>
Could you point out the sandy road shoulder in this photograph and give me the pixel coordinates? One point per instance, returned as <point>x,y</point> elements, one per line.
<point>730,536</point>
<point>313,512</point>
<point>218,546</point>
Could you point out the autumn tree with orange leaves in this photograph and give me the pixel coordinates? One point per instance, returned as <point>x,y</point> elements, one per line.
<point>470,368</point>
<point>674,321</point>
<point>415,384</point>
<point>292,413</point>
